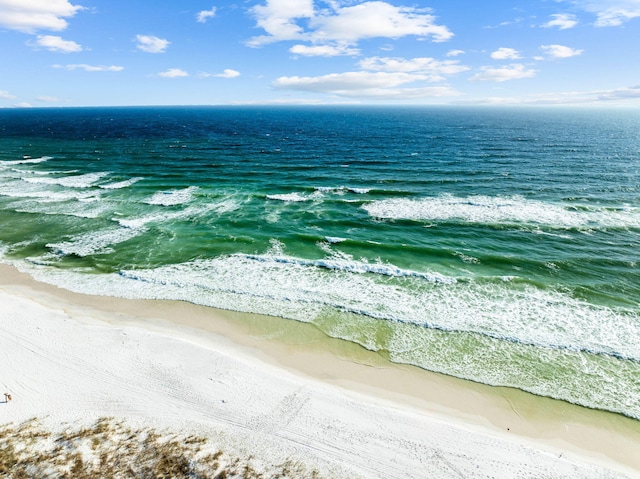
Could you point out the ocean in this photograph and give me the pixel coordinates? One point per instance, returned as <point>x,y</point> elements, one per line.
<point>496,245</point>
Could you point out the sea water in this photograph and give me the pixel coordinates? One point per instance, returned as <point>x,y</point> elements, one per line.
<point>496,245</point>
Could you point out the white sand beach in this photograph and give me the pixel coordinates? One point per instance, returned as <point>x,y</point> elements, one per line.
<point>70,359</point>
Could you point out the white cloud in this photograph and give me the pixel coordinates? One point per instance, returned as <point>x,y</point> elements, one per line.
<point>560,51</point>
<point>323,50</point>
<point>228,73</point>
<point>342,24</point>
<point>429,68</point>
<point>47,99</point>
<point>380,85</point>
<point>505,54</point>
<point>377,19</point>
<point>624,96</point>
<point>30,16</point>
<point>152,44</point>
<point>511,72</point>
<point>610,13</point>
<point>206,14</point>
<point>561,20</point>
<point>619,94</point>
<point>55,43</point>
<point>91,68</point>
<point>278,19</point>
<point>173,73</point>
<point>5,95</point>
<point>455,53</point>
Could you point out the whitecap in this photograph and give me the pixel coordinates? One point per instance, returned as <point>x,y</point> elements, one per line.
<point>97,242</point>
<point>501,210</point>
<point>120,184</point>
<point>172,197</point>
<point>27,160</point>
<point>76,181</point>
<point>334,239</point>
<point>290,197</point>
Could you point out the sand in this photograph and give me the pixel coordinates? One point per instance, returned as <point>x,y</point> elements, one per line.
<point>277,389</point>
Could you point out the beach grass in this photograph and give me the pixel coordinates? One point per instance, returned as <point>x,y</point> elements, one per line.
<point>111,449</point>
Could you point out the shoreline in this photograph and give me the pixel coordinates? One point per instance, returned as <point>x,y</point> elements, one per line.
<point>305,355</point>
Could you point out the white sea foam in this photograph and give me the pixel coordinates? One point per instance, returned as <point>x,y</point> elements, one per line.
<point>41,192</point>
<point>302,289</point>
<point>492,210</point>
<point>562,327</point>
<point>172,197</point>
<point>27,161</point>
<point>75,181</point>
<point>80,209</point>
<point>97,242</point>
<point>334,239</point>
<point>120,184</point>
<point>341,190</point>
<point>220,207</point>
<point>293,197</point>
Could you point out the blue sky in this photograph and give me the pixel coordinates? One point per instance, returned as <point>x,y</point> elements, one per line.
<point>160,52</point>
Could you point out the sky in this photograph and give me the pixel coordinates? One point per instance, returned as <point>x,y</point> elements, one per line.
<point>407,52</point>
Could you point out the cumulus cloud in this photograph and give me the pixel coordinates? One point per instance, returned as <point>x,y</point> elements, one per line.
<point>55,43</point>
<point>455,53</point>
<point>5,95</point>
<point>30,16</point>
<point>342,24</point>
<point>610,13</point>
<point>377,19</point>
<point>429,68</point>
<point>204,15</point>
<point>563,21</point>
<point>91,68</point>
<point>152,44</point>
<point>364,84</point>
<point>505,54</point>
<point>323,50</point>
<point>173,73</point>
<point>514,71</point>
<point>278,19</point>
<point>227,73</point>
<point>560,51</point>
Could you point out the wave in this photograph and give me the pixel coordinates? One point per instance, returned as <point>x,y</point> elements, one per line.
<point>120,184</point>
<point>27,160</point>
<point>500,210</point>
<point>172,197</point>
<point>76,181</point>
<point>98,242</point>
<point>293,197</point>
<point>342,190</point>
<point>220,207</point>
<point>489,330</point>
<point>302,289</point>
<point>42,194</point>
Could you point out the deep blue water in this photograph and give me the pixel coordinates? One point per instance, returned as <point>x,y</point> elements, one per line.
<point>498,245</point>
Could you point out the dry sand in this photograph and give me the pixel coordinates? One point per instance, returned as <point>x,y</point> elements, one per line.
<point>277,389</point>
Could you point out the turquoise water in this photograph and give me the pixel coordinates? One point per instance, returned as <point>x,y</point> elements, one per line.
<point>495,245</point>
